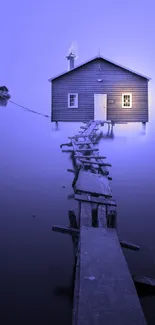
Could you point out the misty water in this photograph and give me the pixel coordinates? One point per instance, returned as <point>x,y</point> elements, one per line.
<point>34,189</point>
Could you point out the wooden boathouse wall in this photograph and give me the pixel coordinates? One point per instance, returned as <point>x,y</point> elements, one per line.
<point>104,291</point>
<point>83,81</point>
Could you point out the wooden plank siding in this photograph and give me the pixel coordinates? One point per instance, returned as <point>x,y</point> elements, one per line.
<point>83,81</point>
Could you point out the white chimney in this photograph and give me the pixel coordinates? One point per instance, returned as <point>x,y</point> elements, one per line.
<point>70,57</point>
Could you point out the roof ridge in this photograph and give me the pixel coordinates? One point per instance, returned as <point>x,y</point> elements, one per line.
<point>105,59</point>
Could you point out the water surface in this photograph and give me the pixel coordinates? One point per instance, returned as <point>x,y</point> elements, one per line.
<point>34,193</point>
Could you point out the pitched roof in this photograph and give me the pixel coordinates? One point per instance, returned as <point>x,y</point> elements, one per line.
<point>99,57</point>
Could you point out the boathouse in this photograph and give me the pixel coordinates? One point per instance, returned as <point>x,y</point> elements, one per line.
<point>99,89</point>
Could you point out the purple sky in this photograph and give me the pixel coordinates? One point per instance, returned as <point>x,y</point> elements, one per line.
<point>36,35</point>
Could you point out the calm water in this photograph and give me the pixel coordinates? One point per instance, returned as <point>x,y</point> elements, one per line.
<point>34,181</point>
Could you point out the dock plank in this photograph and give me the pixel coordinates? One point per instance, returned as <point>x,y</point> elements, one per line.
<point>94,199</point>
<point>101,216</point>
<point>91,127</point>
<point>94,162</point>
<point>86,215</point>
<point>89,156</point>
<point>93,183</point>
<point>107,294</point>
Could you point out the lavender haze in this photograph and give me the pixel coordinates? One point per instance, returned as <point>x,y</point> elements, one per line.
<point>35,38</point>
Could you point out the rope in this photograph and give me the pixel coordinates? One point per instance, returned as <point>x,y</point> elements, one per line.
<point>27,109</point>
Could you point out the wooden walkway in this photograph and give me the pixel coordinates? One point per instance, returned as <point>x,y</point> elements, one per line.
<point>104,292</point>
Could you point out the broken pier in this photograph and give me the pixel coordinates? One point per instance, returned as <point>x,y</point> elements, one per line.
<point>104,291</point>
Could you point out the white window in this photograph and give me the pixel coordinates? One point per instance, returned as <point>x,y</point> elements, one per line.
<point>72,100</point>
<point>127,100</point>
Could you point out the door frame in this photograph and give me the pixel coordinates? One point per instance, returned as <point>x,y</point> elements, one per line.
<point>106,108</point>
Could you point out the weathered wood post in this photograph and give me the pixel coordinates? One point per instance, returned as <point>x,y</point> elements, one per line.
<point>144,126</point>
<point>56,125</point>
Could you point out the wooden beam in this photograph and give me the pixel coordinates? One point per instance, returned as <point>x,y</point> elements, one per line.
<point>128,245</point>
<point>144,281</point>
<point>88,149</point>
<point>77,136</point>
<point>88,163</point>
<point>66,144</point>
<point>94,199</point>
<point>85,142</point>
<point>90,157</point>
<point>66,230</point>
<point>88,166</point>
<point>95,163</point>
<point>71,171</point>
<point>68,150</point>
<point>70,196</point>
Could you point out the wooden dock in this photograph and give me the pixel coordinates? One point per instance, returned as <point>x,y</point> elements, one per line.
<point>104,291</point>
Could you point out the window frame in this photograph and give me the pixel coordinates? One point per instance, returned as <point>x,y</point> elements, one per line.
<point>76,100</point>
<point>126,94</point>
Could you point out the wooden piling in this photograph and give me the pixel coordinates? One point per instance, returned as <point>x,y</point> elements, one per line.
<point>74,225</point>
